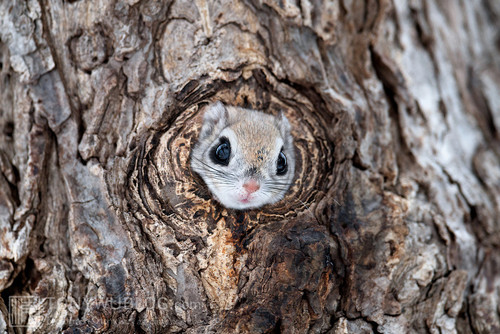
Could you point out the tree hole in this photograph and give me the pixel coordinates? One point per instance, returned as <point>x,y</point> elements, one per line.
<point>9,129</point>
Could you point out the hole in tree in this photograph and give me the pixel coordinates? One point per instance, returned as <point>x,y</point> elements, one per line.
<point>9,129</point>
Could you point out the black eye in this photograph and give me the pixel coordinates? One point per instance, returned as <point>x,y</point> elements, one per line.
<point>281,166</point>
<point>220,153</point>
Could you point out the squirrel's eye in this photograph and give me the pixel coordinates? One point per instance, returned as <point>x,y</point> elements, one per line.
<point>220,153</point>
<point>281,166</point>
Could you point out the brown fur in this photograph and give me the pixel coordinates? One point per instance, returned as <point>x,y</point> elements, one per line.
<point>256,146</point>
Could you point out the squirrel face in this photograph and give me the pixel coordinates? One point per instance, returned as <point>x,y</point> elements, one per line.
<point>245,157</point>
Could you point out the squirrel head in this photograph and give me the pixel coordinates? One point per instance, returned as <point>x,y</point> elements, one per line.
<point>245,157</point>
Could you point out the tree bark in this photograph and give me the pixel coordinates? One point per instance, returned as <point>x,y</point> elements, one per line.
<point>391,225</point>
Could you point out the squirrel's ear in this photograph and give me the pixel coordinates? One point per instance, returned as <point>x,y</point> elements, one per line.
<point>283,125</point>
<point>214,119</point>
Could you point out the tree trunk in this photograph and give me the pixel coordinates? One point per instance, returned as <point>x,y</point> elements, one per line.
<point>391,225</point>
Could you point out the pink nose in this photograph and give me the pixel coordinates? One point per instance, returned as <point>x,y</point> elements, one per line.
<point>251,186</point>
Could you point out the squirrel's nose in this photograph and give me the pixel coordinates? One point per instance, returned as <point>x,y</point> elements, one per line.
<point>251,186</point>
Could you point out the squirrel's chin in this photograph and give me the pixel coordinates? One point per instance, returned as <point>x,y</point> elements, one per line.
<point>244,204</point>
<point>239,205</point>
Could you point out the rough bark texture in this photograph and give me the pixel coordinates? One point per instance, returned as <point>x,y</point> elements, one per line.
<point>391,226</point>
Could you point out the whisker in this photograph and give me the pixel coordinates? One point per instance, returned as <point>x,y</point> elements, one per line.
<point>277,188</point>
<point>308,209</point>
<point>271,182</point>
<point>221,180</point>
<point>219,177</point>
<point>215,170</point>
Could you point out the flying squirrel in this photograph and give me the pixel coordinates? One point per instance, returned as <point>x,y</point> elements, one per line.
<point>246,157</point>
